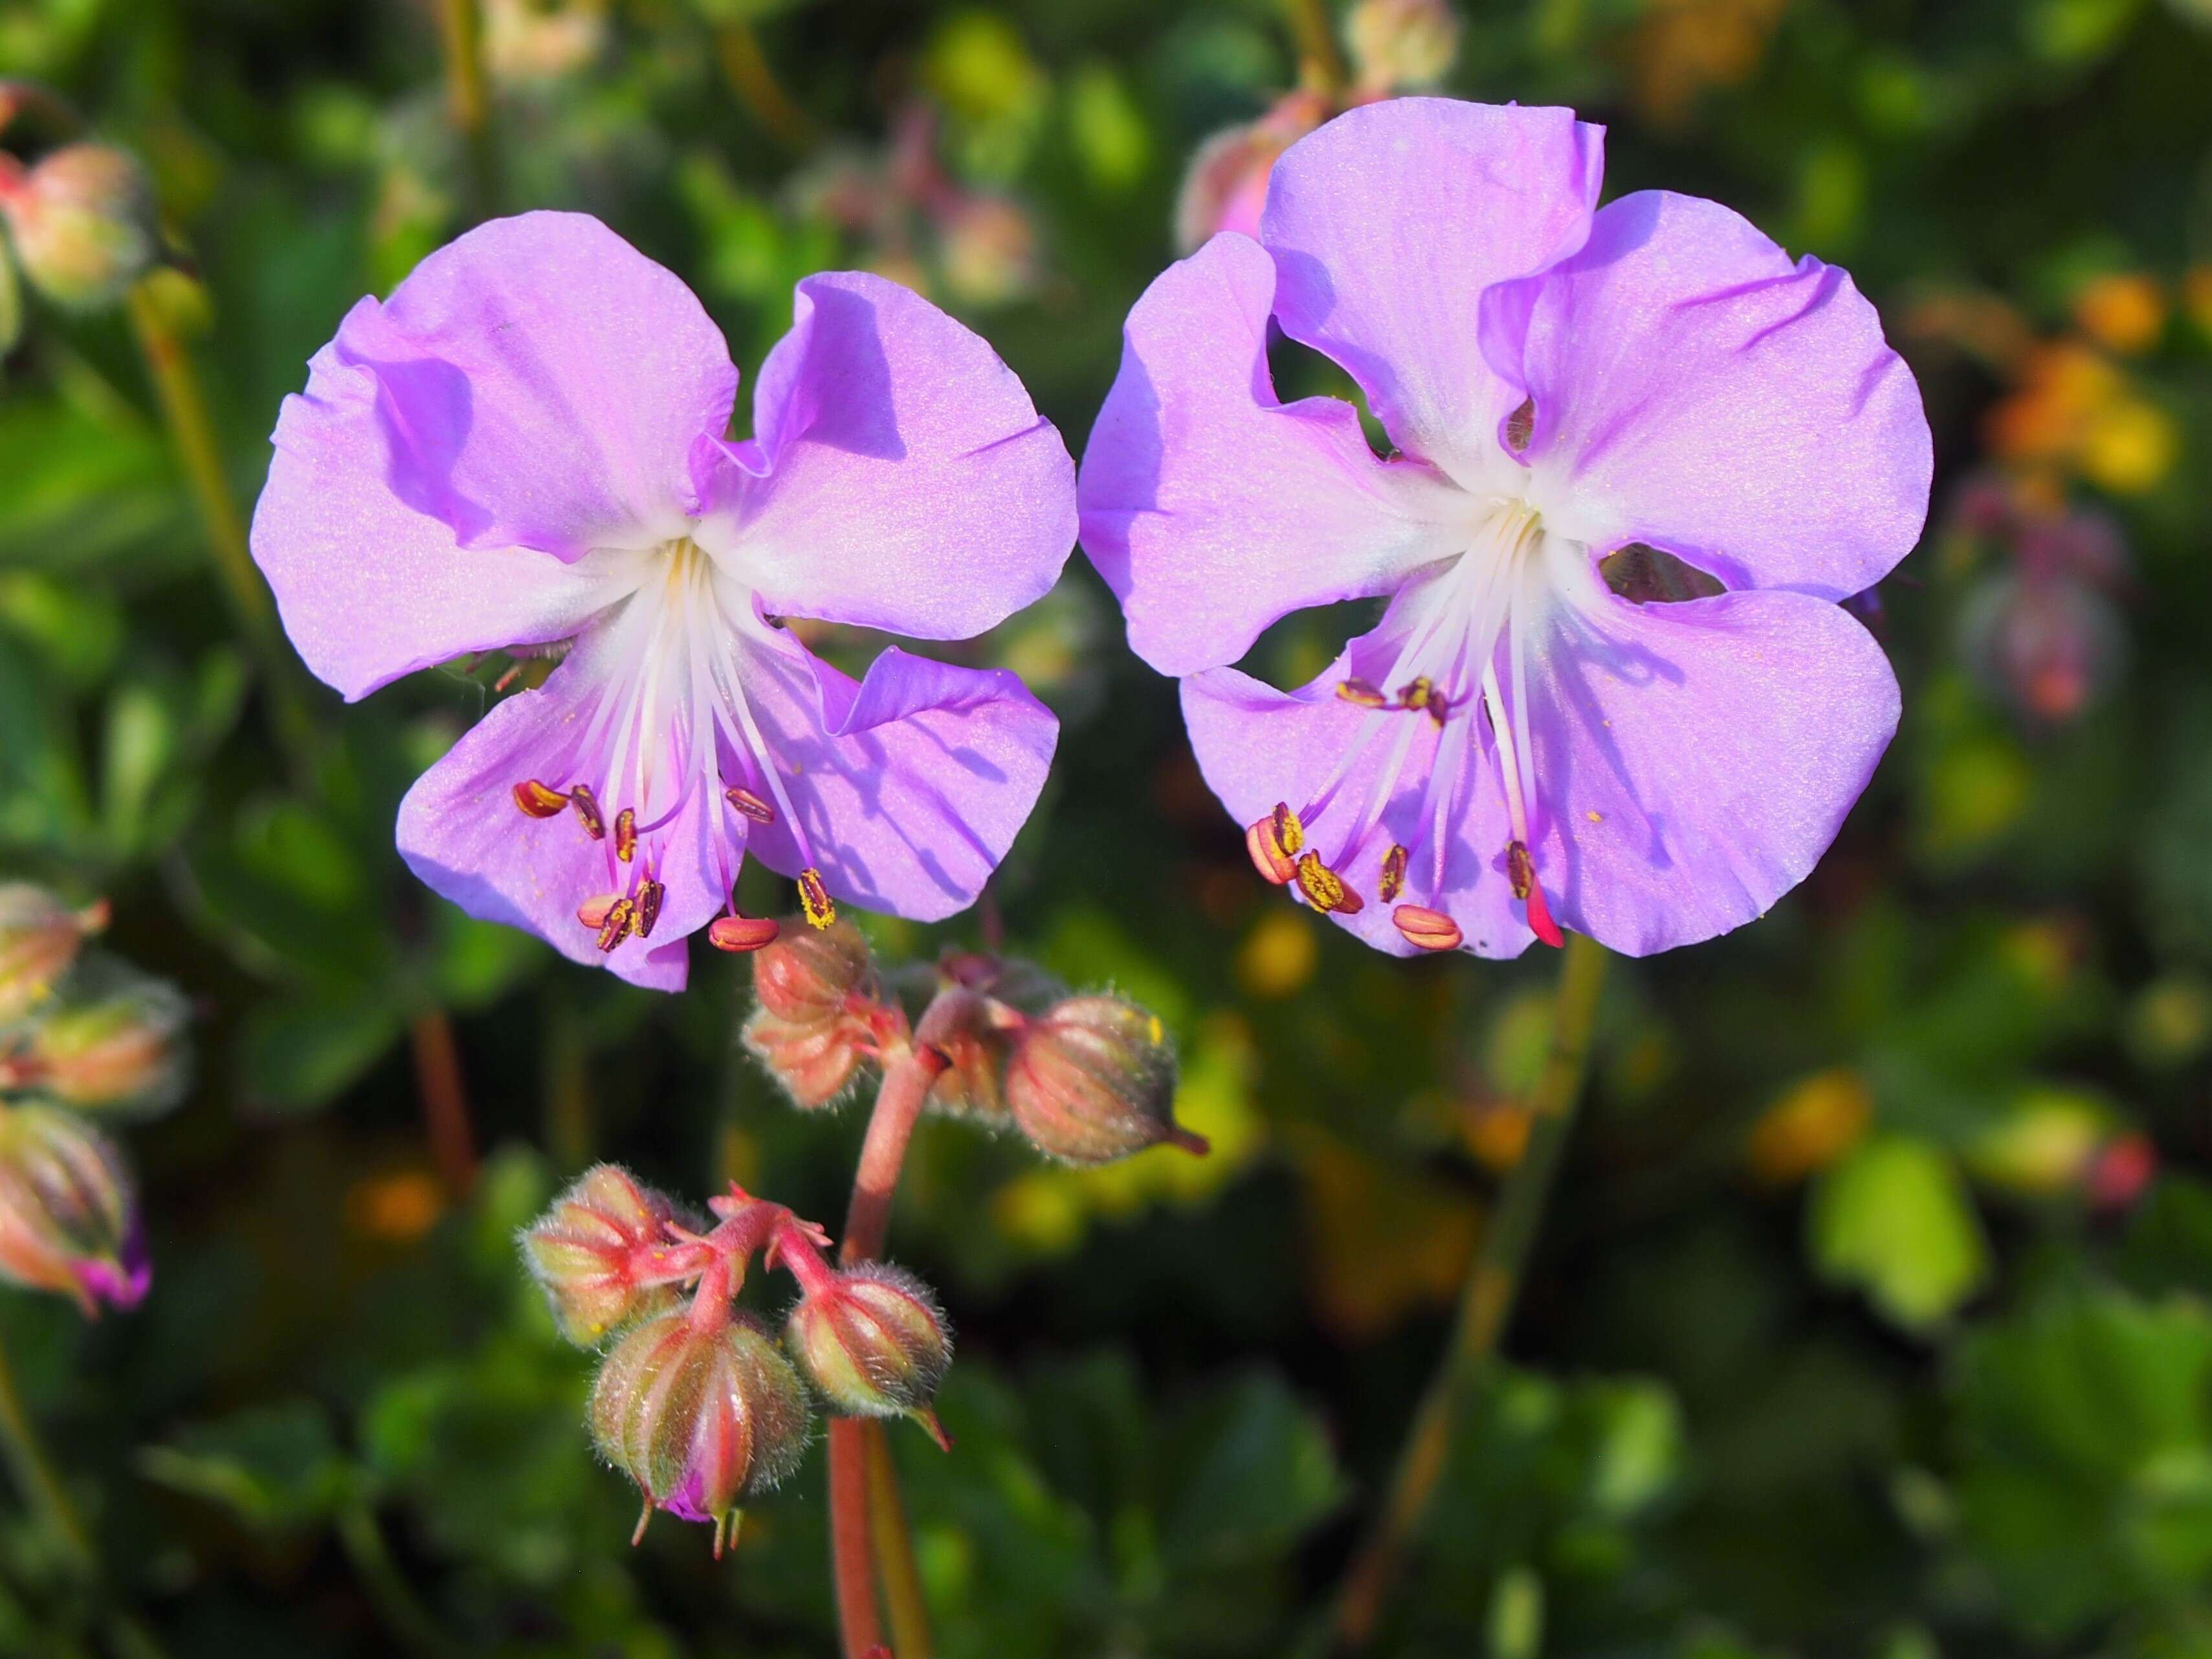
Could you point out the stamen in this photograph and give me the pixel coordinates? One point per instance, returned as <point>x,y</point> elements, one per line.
<point>1521,426</point>
<point>592,912</point>
<point>1361,692</point>
<point>1325,889</point>
<point>1416,692</point>
<point>1430,930</point>
<point>621,915</point>
<point>626,834</point>
<point>750,805</point>
<point>1520,871</point>
<point>740,933</point>
<point>814,899</point>
<point>539,801</point>
<point>1274,843</point>
<point>650,896</point>
<point>1393,874</point>
<point>587,808</point>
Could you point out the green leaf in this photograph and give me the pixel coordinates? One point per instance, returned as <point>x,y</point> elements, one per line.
<point>275,1467</point>
<point>300,1055</point>
<point>1248,1471</point>
<point>1895,1220</point>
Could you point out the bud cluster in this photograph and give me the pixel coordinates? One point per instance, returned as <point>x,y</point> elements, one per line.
<point>693,1401</point>
<point>80,220</point>
<point>80,1036</point>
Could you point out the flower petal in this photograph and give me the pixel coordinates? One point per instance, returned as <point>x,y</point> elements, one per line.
<point>460,832</point>
<point>899,477</point>
<point>1693,761</point>
<point>1697,391</point>
<point>910,784</point>
<point>1210,509</point>
<point>1389,224</point>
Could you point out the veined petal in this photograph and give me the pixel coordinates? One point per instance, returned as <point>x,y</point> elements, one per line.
<point>1210,509</point>
<point>899,477</point>
<point>910,785</point>
<point>460,832</point>
<point>1693,761</point>
<point>1696,389</point>
<point>1391,224</point>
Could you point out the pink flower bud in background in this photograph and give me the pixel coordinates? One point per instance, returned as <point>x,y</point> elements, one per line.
<point>68,1211</point>
<point>591,1253</point>
<point>1397,46</point>
<point>1093,1079</point>
<point>117,1048</point>
<point>38,940</point>
<point>82,222</point>
<point>817,1001</point>
<point>988,246</point>
<point>1226,186</point>
<point>702,1411</point>
<point>873,1339</point>
<point>2043,634</point>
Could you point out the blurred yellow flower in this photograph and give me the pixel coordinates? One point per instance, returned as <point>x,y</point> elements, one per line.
<point>1813,1124</point>
<point>1382,1240</point>
<point>1681,48</point>
<point>1279,955</point>
<point>2075,409</point>
<point>2124,313</point>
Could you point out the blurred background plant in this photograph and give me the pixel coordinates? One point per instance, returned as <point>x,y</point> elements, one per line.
<point>1869,1318</point>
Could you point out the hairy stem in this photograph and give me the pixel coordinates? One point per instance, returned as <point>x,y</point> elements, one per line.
<point>903,1605</point>
<point>1485,1301</point>
<point>34,1473</point>
<point>445,1100</point>
<point>907,1075</point>
<point>851,1557</point>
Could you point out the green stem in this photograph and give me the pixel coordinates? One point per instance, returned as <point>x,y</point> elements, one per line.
<point>468,93</point>
<point>1485,1301</point>
<point>397,1604</point>
<point>747,70</point>
<point>34,1475</point>
<point>1320,63</point>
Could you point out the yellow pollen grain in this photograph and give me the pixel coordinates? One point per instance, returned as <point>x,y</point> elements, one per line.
<point>1594,817</point>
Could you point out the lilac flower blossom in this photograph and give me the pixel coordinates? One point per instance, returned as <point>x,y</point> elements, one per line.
<point>524,449</point>
<point>1516,745</point>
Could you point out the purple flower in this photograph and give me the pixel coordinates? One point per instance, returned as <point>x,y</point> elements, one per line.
<point>523,448</point>
<point>1515,742</point>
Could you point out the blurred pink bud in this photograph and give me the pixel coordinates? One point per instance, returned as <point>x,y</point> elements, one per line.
<point>702,1411</point>
<point>68,1211</point>
<point>1093,1079</point>
<point>2049,647</point>
<point>873,1339</point>
<point>1398,45</point>
<point>82,222</point>
<point>1226,186</point>
<point>817,1000</point>
<point>2123,1168</point>
<point>595,1252</point>
<point>121,1050</point>
<point>988,248</point>
<point>38,940</point>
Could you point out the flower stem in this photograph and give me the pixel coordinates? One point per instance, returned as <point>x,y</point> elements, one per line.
<point>34,1473</point>
<point>397,1604</point>
<point>902,1599</point>
<point>1320,63</point>
<point>909,1071</point>
<point>468,93</point>
<point>445,1100</point>
<point>746,68</point>
<point>1485,1301</point>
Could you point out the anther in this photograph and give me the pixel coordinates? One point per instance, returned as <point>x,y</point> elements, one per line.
<point>740,933</point>
<point>1521,426</point>
<point>1520,871</point>
<point>621,915</point>
<point>592,912</point>
<point>1274,843</point>
<point>814,899</point>
<point>650,894</point>
<point>1325,889</point>
<point>626,834</point>
<point>1417,693</point>
<point>587,808</point>
<point>1430,930</point>
<point>538,800</point>
<point>1393,874</point>
<point>750,805</point>
<point>1360,692</point>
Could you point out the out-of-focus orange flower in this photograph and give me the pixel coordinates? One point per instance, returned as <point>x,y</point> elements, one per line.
<point>2197,298</point>
<point>2077,411</point>
<point>1813,1124</point>
<point>396,1207</point>
<point>1380,1241</point>
<point>1497,1133</point>
<point>1683,48</point>
<point>2124,313</point>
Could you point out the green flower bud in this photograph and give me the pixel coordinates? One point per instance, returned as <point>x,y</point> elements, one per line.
<point>1093,1079</point>
<point>38,940</point>
<point>81,221</point>
<point>874,1341</point>
<point>116,1045</point>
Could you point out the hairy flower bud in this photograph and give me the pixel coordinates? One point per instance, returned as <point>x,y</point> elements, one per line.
<point>702,1413</point>
<point>1227,185</point>
<point>39,939</point>
<point>1093,1079</point>
<point>590,1251</point>
<point>981,1002</point>
<point>1397,45</point>
<point>119,1049</point>
<point>816,991</point>
<point>873,1339</point>
<point>69,1211</point>
<point>81,221</point>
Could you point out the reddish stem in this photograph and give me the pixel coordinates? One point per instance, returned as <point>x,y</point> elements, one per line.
<point>858,1621</point>
<point>907,1080</point>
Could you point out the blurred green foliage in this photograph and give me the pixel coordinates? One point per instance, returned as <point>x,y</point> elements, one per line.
<point>1870,1318</point>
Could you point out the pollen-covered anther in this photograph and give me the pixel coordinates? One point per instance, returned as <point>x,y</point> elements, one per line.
<point>592,912</point>
<point>539,800</point>
<point>1274,843</point>
<point>626,834</point>
<point>1393,874</point>
<point>1359,692</point>
<point>737,934</point>
<point>587,809</point>
<point>650,896</point>
<point>615,928</point>
<point>749,804</point>
<point>1417,693</point>
<point>1520,871</point>
<point>1431,930</point>
<point>1325,889</point>
<point>814,899</point>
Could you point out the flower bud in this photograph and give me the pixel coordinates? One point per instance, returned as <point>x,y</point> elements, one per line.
<point>1093,1079</point>
<point>69,1213</point>
<point>1397,45</point>
<point>39,939</point>
<point>590,1251</point>
<point>981,1002</point>
<point>1226,185</point>
<point>702,1413</point>
<point>816,991</point>
<point>81,221</point>
<point>121,1050</point>
<point>873,1339</point>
